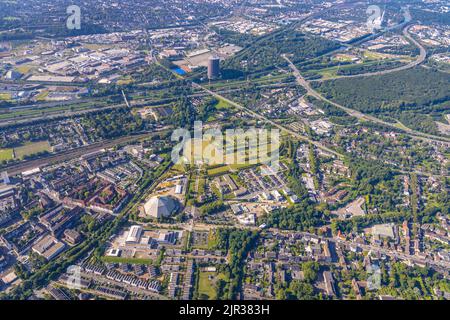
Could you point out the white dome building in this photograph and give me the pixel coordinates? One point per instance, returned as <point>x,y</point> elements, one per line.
<point>161,207</point>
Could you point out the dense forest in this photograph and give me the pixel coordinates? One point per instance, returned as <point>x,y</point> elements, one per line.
<point>336,115</point>
<point>424,92</point>
<point>239,39</point>
<point>301,217</point>
<point>115,123</point>
<point>430,17</point>
<point>265,54</point>
<point>365,68</point>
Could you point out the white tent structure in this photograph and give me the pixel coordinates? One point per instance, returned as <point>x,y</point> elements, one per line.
<point>161,207</point>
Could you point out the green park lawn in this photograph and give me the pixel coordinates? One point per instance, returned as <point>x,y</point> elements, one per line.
<point>32,148</point>
<point>6,154</point>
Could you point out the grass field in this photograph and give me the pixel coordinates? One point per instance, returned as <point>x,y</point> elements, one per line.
<point>198,148</point>
<point>206,286</point>
<point>125,80</point>
<point>372,55</point>
<point>5,96</point>
<point>331,72</point>
<point>229,168</point>
<point>32,148</point>
<point>126,260</point>
<point>237,167</point>
<point>219,171</point>
<point>24,69</point>
<point>343,57</point>
<point>208,152</point>
<point>6,154</point>
<point>222,105</point>
<point>42,96</point>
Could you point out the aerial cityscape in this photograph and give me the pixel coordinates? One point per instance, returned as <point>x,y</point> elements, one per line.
<point>224,150</point>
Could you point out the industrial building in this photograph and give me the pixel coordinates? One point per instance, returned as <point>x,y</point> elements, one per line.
<point>213,67</point>
<point>48,247</point>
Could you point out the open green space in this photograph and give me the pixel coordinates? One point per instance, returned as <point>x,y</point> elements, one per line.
<point>358,68</point>
<point>6,154</point>
<point>415,97</point>
<point>222,105</point>
<point>32,148</point>
<point>42,96</point>
<point>207,284</point>
<point>219,171</point>
<point>126,260</point>
<point>5,96</point>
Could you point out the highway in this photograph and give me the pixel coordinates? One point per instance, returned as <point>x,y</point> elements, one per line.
<point>419,60</point>
<point>66,113</point>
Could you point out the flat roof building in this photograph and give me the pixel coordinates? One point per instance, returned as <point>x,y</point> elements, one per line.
<point>134,235</point>
<point>72,236</point>
<point>48,247</point>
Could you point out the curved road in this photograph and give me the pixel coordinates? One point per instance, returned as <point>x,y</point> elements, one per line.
<point>359,115</point>
<point>419,60</point>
